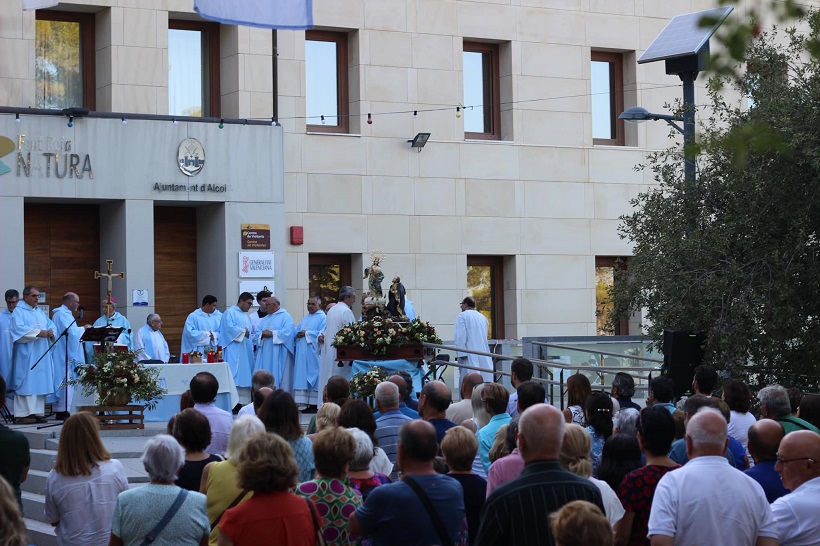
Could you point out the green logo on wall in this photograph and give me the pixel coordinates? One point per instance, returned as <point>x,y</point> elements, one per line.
<point>6,147</point>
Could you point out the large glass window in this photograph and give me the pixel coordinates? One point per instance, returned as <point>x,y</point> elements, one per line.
<point>326,93</point>
<point>485,284</point>
<point>64,60</point>
<point>607,98</point>
<point>193,69</point>
<point>605,267</point>
<point>482,108</point>
<point>328,274</point>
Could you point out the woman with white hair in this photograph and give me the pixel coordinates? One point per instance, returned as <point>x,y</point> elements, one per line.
<point>219,478</point>
<point>160,510</point>
<point>360,476</point>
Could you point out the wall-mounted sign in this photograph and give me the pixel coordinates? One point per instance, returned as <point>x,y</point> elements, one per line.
<point>254,287</point>
<point>255,236</point>
<point>191,157</point>
<point>139,297</point>
<point>256,264</point>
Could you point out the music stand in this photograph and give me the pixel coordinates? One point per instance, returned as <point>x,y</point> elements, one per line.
<point>101,335</point>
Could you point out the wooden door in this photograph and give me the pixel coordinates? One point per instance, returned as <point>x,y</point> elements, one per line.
<point>174,270</point>
<point>62,251</point>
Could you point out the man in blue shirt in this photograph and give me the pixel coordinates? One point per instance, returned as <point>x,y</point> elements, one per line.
<point>395,515</point>
<point>764,440</point>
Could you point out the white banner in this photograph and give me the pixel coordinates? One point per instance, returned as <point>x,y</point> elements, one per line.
<point>286,14</point>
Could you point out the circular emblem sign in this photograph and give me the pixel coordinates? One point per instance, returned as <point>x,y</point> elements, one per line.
<point>191,157</point>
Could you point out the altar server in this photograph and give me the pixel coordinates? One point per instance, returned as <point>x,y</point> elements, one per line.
<point>235,333</point>
<point>306,354</point>
<point>201,328</point>
<point>32,332</point>
<point>274,337</point>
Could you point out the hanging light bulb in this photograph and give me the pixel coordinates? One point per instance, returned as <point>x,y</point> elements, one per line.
<point>176,122</point>
<point>458,111</point>
<point>323,120</point>
<point>221,123</point>
<point>415,114</point>
<point>124,121</point>
<point>369,119</point>
<point>273,122</point>
<point>17,118</point>
<point>70,121</point>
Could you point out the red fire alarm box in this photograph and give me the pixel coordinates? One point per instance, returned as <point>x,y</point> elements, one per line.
<point>297,235</point>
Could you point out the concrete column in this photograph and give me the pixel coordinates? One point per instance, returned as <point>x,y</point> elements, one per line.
<point>127,237</point>
<point>12,266</point>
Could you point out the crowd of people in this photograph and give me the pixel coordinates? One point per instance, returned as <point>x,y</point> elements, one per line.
<point>493,468</point>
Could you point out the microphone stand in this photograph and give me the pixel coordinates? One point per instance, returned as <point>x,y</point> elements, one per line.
<point>65,382</point>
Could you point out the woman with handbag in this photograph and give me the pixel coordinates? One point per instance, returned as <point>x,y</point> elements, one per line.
<point>219,479</point>
<point>273,515</point>
<point>160,512</point>
<point>84,470</point>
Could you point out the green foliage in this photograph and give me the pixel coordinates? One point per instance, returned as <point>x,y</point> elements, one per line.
<point>738,254</point>
<point>110,375</point>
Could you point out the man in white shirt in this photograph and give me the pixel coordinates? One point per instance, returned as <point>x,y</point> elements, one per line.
<point>798,463</point>
<point>151,341</point>
<point>337,317</point>
<point>261,379</point>
<point>463,410</point>
<point>708,501</point>
<point>471,333</point>
<point>204,388</point>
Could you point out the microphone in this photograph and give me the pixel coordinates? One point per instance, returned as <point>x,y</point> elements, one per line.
<point>81,309</point>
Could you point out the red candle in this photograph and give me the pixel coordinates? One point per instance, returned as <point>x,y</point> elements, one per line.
<point>184,358</point>
<point>211,358</point>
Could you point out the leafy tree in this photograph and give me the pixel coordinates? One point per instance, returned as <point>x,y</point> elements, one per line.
<point>738,254</point>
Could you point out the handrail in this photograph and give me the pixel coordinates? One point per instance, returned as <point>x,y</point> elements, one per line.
<point>592,351</point>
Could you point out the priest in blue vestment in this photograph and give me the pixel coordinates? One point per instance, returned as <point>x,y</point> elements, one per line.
<point>235,336</point>
<point>150,341</point>
<point>63,318</point>
<point>115,320</point>
<point>306,354</point>
<point>274,337</point>
<point>32,332</point>
<point>202,328</point>
<point>6,343</point>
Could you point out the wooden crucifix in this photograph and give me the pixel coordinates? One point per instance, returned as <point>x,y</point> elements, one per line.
<point>109,276</point>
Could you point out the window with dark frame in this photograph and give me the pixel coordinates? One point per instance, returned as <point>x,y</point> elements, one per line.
<point>64,60</point>
<point>485,283</point>
<point>193,69</point>
<point>326,92</point>
<point>607,85</point>
<point>605,267</point>
<point>482,103</point>
<point>328,273</point>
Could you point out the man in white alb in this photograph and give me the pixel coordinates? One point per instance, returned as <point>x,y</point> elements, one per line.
<point>63,318</point>
<point>338,316</point>
<point>201,328</point>
<point>471,333</point>
<point>151,341</point>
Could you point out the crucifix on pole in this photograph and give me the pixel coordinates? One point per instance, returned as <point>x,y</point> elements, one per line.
<point>109,276</point>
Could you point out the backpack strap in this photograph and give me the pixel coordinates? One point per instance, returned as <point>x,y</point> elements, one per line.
<point>152,536</point>
<point>428,505</point>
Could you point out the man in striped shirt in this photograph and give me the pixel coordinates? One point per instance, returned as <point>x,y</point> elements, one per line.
<point>390,421</point>
<point>517,512</point>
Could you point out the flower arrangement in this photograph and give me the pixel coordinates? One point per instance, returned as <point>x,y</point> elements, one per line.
<point>117,375</point>
<point>363,384</point>
<point>378,334</point>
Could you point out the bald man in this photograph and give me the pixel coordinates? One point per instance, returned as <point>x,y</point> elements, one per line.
<point>708,501</point>
<point>433,403</point>
<point>402,385</point>
<point>798,463</point>
<point>516,512</point>
<point>764,440</point>
<point>463,410</point>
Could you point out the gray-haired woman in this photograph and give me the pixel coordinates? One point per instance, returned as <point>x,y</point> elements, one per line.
<point>140,511</point>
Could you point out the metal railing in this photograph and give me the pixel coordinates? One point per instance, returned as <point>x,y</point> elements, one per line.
<point>546,367</point>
